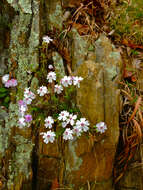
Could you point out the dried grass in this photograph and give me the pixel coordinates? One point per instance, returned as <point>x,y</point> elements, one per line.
<point>131,124</point>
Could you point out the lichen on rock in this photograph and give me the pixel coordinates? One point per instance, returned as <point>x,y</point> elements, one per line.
<point>24,59</point>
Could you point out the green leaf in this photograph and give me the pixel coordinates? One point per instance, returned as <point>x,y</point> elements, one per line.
<point>7,99</point>
<point>5,104</point>
<point>3,95</point>
<point>2,90</point>
<point>60,132</point>
<point>91,48</point>
<point>35,109</point>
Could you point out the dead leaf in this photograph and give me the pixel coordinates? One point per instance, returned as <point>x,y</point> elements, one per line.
<point>55,184</point>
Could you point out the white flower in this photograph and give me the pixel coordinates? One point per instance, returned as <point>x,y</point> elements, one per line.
<point>26,91</point>
<point>71,119</point>
<point>29,94</point>
<point>49,136</point>
<point>27,101</point>
<point>51,76</point>
<point>5,78</point>
<point>70,79</point>
<point>22,109</point>
<point>42,91</point>
<point>77,131</point>
<point>32,95</point>
<point>63,115</point>
<point>47,39</point>
<point>83,123</point>
<point>48,122</point>
<point>22,122</point>
<point>68,134</point>
<point>58,89</point>
<point>50,67</point>
<point>64,124</point>
<point>77,80</point>
<point>66,81</point>
<point>101,127</point>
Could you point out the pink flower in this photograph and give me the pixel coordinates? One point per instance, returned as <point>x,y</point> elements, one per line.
<point>11,83</point>
<point>21,103</point>
<point>8,84</point>
<point>28,118</point>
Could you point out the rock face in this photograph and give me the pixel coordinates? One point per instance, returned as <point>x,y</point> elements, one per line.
<point>98,100</point>
<point>82,164</point>
<point>16,145</point>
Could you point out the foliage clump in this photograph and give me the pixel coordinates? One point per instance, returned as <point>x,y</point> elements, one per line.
<point>127,22</point>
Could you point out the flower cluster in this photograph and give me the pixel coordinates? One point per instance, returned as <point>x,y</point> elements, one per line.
<point>28,96</point>
<point>25,119</point>
<point>71,80</point>
<point>72,126</point>
<point>69,125</point>
<point>66,81</point>
<point>11,83</point>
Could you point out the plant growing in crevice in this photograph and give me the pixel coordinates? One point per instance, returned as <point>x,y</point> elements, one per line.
<point>60,115</point>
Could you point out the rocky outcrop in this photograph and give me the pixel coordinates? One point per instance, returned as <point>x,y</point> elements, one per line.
<point>98,100</point>
<point>85,163</point>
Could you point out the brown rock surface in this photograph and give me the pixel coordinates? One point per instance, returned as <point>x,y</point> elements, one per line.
<point>98,100</point>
